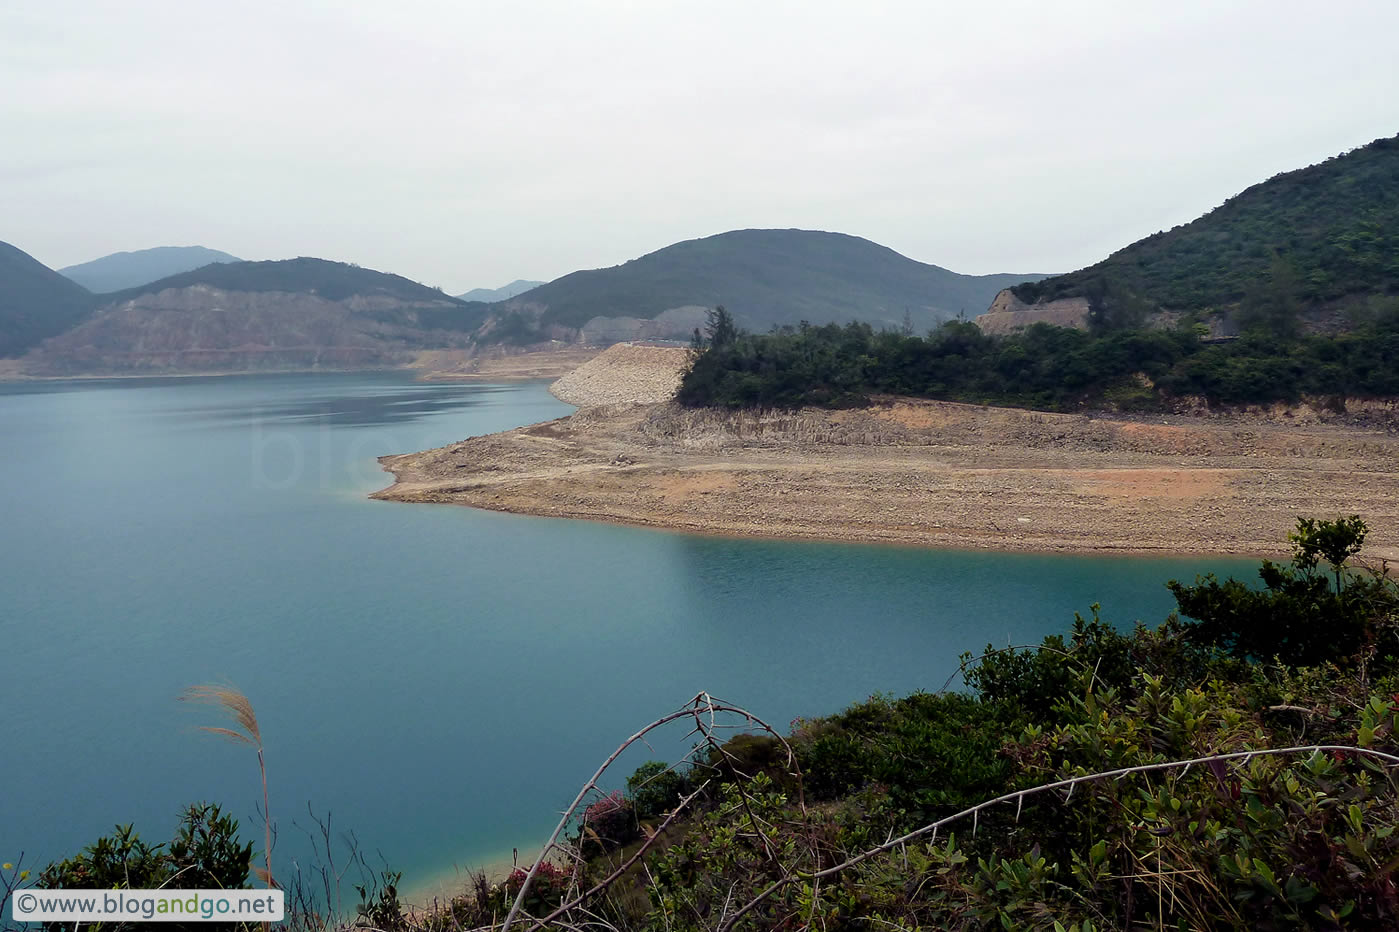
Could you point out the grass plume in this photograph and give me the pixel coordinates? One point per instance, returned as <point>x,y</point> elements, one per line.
<point>238,707</point>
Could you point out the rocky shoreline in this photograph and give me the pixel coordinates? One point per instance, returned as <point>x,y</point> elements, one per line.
<point>929,473</point>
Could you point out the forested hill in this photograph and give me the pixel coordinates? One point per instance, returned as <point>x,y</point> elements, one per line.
<point>333,281</point>
<point>1318,238</point>
<point>765,277</point>
<point>35,301</point>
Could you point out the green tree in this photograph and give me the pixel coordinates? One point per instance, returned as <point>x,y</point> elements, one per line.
<point>719,328</point>
<point>1297,616</point>
<point>1333,541</point>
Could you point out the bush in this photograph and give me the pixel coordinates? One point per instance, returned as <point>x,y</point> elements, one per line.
<point>205,854</point>
<point>608,824</point>
<point>929,753</point>
<point>655,790</point>
<point>1300,616</point>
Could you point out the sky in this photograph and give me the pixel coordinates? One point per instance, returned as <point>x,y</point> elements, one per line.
<point>465,144</point>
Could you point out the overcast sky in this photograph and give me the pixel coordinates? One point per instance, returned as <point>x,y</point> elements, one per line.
<point>466,144</point>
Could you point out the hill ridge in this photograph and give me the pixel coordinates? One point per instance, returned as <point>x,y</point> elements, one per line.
<point>1312,239</point>
<point>35,301</point>
<point>765,277</point>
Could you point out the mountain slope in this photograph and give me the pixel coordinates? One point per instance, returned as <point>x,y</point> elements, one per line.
<point>245,316</point>
<point>131,269</point>
<point>334,281</point>
<point>1317,238</point>
<point>765,278</point>
<point>35,301</point>
<point>503,293</point>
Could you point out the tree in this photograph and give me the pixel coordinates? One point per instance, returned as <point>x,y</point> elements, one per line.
<point>1333,541</point>
<point>719,328</point>
<point>1298,617</point>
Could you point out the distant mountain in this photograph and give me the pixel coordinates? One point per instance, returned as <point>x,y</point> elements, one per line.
<point>312,313</point>
<point>334,281</point>
<point>1308,242</point>
<point>764,277</point>
<point>245,316</point>
<point>35,301</point>
<point>503,293</point>
<point>131,269</point>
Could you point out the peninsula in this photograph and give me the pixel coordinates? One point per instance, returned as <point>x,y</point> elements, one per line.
<point>921,472</point>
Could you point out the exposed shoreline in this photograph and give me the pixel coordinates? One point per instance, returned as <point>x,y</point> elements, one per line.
<point>429,366</point>
<point>932,474</point>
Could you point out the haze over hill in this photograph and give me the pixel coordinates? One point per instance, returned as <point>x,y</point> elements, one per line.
<point>35,301</point>
<point>246,316</point>
<point>1308,242</point>
<point>131,269</point>
<point>764,277</point>
<point>505,292</point>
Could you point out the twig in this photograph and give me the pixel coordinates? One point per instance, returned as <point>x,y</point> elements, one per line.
<point>703,709</point>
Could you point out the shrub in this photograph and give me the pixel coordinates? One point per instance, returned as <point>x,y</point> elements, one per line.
<point>1299,616</point>
<point>608,823</point>
<point>655,789</point>
<point>205,854</point>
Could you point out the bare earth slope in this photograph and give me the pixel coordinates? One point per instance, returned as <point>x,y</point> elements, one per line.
<point>496,364</point>
<point>929,473</point>
<point>626,373</point>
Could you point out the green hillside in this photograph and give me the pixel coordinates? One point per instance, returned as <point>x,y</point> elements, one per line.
<point>1314,239</point>
<point>768,277</point>
<point>334,281</point>
<point>131,269</point>
<point>35,301</point>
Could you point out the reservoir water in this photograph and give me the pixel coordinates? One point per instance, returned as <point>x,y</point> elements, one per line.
<point>440,679</point>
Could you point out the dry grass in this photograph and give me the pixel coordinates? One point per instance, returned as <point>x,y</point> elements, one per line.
<point>240,709</point>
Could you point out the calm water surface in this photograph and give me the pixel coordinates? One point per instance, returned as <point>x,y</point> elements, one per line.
<point>441,679</point>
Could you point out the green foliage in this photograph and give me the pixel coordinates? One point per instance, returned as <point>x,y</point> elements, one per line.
<point>1053,368</point>
<point>655,789</point>
<point>1305,841</point>
<point>1299,616</point>
<point>744,756</point>
<point>719,328</point>
<point>727,857</point>
<point>379,906</point>
<point>1035,680</point>
<point>119,861</point>
<point>1317,237</point>
<point>928,753</point>
<point>205,854</point>
<point>1333,541</point>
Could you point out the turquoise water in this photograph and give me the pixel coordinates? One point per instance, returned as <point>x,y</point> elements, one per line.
<point>441,679</point>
